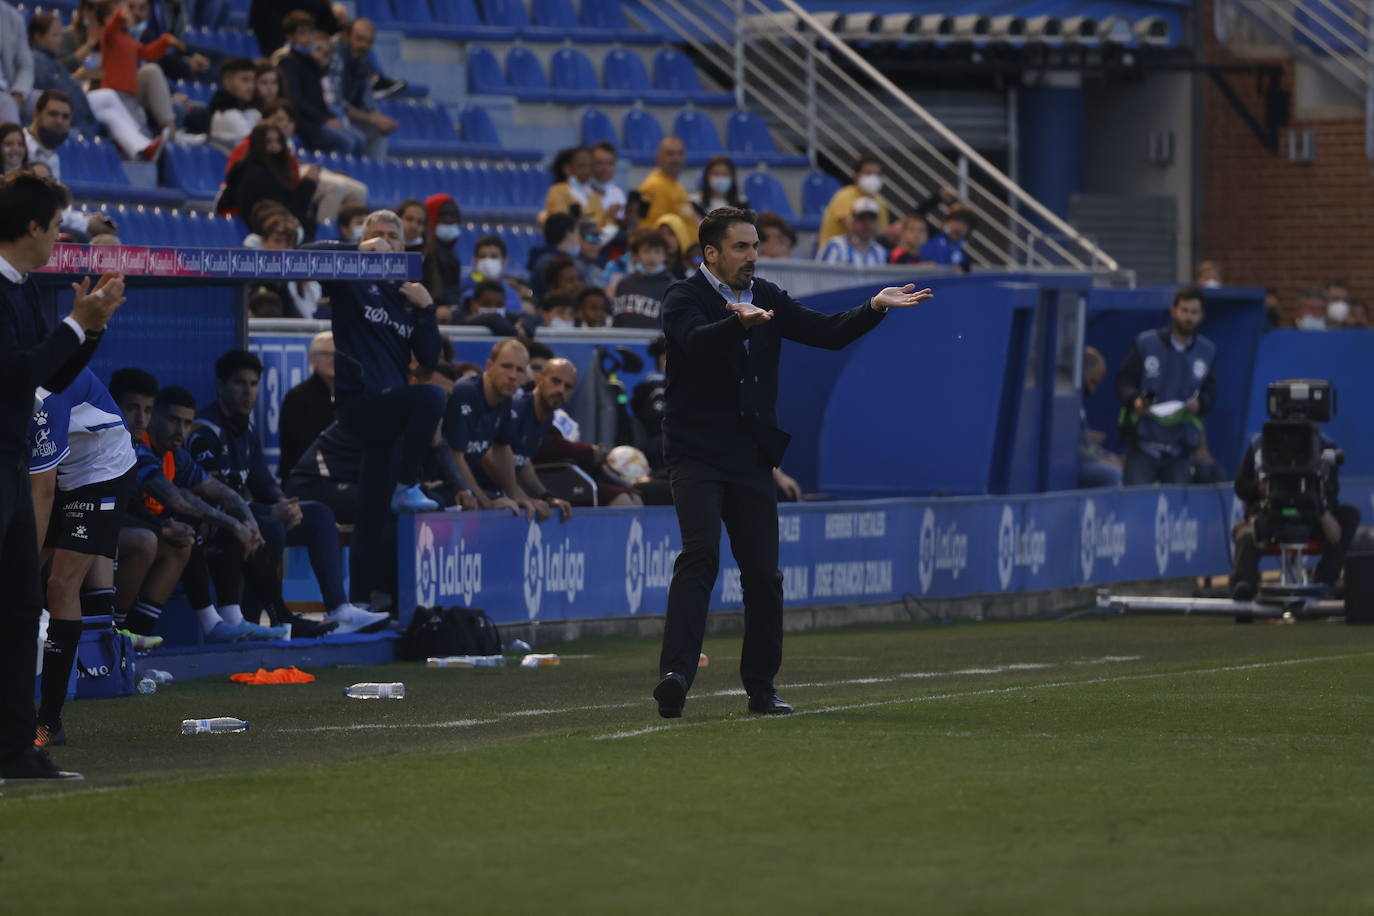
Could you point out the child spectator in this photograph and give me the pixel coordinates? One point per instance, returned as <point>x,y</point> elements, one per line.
<point>232,113</point>
<point>638,301</point>
<point>914,234</point>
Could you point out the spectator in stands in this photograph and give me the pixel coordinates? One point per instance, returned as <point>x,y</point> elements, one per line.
<point>588,257</point>
<point>185,63</point>
<point>560,240</point>
<point>266,84</point>
<point>561,275</point>
<point>572,191</point>
<point>1359,314</point>
<point>638,295</point>
<point>719,188</point>
<point>1312,310</point>
<point>267,173</point>
<point>1207,275</point>
<point>489,263</point>
<point>265,18</point>
<point>915,232</point>
<point>558,311</point>
<point>16,64</point>
<point>52,119</point>
<point>1273,309</point>
<point>351,218</point>
<point>14,153</point>
<point>233,114</point>
<point>603,182</point>
<point>302,83</point>
<point>679,236</point>
<point>485,306</point>
<point>308,409</point>
<point>776,238</point>
<point>333,189</point>
<point>948,246</point>
<point>859,245</point>
<point>264,303</point>
<point>593,308</point>
<point>1166,385</point>
<point>227,445</point>
<point>868,182</point>
<point>353,51</point>
<point>443,272</point>
<point>662,189</point>
<point>123,94</point>
<point>1097,467</point>
<point>477,420</point>
<point>331,84</point>
<point>413,216</point>
<point>1337,304</point>
<point>45,41</point>
<point>540,353</point>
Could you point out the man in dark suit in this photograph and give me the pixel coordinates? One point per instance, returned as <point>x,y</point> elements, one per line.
<point>724,330</point>
<point>31,354</point>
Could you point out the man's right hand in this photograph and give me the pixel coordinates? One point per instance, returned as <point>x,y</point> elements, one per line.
<point>92,308</point>
<point>249,539</point>
<point>1140,407</point>
<point>98,224</point>
<point>178,534</point>
<point>503,502</point>
<point>749,314</point>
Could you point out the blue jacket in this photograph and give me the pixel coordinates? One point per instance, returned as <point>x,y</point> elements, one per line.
<point>1155,370</point>
<point>230,450</point>
<point>943,250</point>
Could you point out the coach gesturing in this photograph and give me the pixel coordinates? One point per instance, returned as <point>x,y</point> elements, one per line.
<point>31,354</point>
<point>725,331</point>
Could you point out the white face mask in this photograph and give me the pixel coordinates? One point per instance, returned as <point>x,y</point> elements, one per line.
<point>447,232</point>
<point>358,232</point>
<point>488,267</point>
<point>414,243</point>
<point>1338,311</point>
<point>138,29</point>
<point>560,324</point>
<point>870,184</point>
<point>1211,284</point>
<point>721,183</point>
<point>573,245</point>
<point>1312,323</point>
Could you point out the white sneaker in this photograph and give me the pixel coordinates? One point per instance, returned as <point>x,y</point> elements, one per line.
<point>351,618</point>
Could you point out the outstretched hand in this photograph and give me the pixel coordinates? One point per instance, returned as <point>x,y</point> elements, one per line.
<point>749,314</point>
<point>92,308</point>
<point>901,297</point>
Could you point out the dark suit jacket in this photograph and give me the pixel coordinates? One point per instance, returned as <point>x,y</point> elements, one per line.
<point>720,400</point>
<point>306,411</point>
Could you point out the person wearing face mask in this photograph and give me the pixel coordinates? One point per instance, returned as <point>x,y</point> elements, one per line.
<point>413,216</point>
<point>558,311</point>
<point>561,240</point>
<point>443,272</point>
<point>572,191</point>
<point>637,297</point>
<point>489,264</point>
<point>1207,275</point>
<point>350,222</point>
<point>1337,304</point>
<point>718,188</point>
<point>1166,385</point>
<point>52,119</point>
<point>1311,310</point>
<point>868,182</point>
<point>266,174</point>
<point>485,306</point>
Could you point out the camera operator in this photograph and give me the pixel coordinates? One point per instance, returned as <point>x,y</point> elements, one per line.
<point>1336,525</point>
<point>1174,366</point>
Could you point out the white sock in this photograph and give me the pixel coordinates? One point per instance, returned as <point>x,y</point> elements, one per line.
<point>208,618</point>
<point>232,614</point>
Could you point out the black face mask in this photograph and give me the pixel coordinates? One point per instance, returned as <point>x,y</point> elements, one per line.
<point>51,139</point>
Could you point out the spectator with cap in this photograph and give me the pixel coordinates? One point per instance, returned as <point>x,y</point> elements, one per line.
<point>776,237</point>
<point>45,41</point>
<point>948,246</point>
<point>662,189</point>
<point>868,182</point>
<point>308,409</point>
<point>719,187</point>
<point>638,295</point>
<point>859,245</point>
<point>603,182</point>
<point>572,191</point>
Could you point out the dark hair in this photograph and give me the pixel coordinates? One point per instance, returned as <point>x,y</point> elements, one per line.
<point>658,346</point>
<point>867,159</point>
<point>766,221</point>
<point>644,237</point>
<point>263,212</point>
<point>464,368</point>
<point>406,204</point>
<point>961,216</point>
<point>557,227</point>
<point>732,196</point>
<point>297,20</point>
<point>174,396</point>
<point>592,291</point>
<point>265,304</point>
<point>554,268</point>
<point>232,65</point>
<point>487,286</point>
<point>563,160</point>
<point>539,350</point>
<point>236,361</point>
<point>7,128</point>
<point>40,23</point>
<point>606,146</point>
<point>447,369</point>
<point>558,301</point>
<point>278,163</point>
<point>25,198</point>
<point>351,211</point>
<point>489,240</point>
<point>277,105</point>
<point>132,381</point>
<point>717,225</point>
<point>48,97</point>
<point>1190,292</point>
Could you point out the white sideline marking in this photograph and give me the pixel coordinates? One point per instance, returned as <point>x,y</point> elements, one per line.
<point>989,691</point>
<point>456,723</point>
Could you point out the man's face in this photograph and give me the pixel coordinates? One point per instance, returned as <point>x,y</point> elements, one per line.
<point>414,221</point>
<point>1337,293</point>
<point>507,371</point>
<point>1187,316</point>
<point>671,155</point>
<point>282,121</point>
<point>554,385</point>
<point>322,360</point>
<point>170,426</point>
<point>267,84</point>
<point>137,410</point>
<point>239,392</point>
<point>603,165</point>
<point>914,234</point>
<point>1358,317</point>
<point>43,238</point>
<point>239,85</point>
<point>51,40</point>
<point>490,300</point>
<point>569,281</point>
<point>592,311</point>
<point>733,263</point>
<point>957,230</point>
<point>775,244</point>
<point>360,39</point>
<point>863,226</point>
<point>138,11</point>
<point>57,116</point>
<point>387,230</point>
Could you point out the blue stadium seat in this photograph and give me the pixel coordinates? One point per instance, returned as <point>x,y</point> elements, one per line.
<point>467,242</point>
<point>574,74</point>
<point>560,16</point>
<point>596,127</point>
<point>817,189</point>
<point>624,72</point>
<point>459,20</point>
<point>379,11</point>
<point>673,72</point>
<point>93,169</point>
<point>196,92</point>
<point>766,193</point>
<point>748,140</point>
<point>425,129</point>
<point>642,134</point>
<point>525,76</point>
<point>481,139</point>
<point>196,170</point>
<point>698,134</point>
<point>412,12</point>
<point>607,16</point>
<point>511,14</point>
<point>484,73</point>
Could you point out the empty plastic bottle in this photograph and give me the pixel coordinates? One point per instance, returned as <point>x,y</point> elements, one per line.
<point>466,661</point>
<point>147,685</point>
<point>376,691</point>
<point>548,660</point>
<point>217,726</point>
<point>163,678</point>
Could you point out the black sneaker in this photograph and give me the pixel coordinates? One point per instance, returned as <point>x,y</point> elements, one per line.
<point>33,764</point>
<point>304,627</point>
<point>386,87</point>
<point>671,694</point>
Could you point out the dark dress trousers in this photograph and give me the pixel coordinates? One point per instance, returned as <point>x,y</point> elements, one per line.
<point>30,355</point>
<point>721,443</point>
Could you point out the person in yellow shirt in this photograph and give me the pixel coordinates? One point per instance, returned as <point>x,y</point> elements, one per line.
<point>661,188</point>
<point>868,182</point>
<point>572,173</point>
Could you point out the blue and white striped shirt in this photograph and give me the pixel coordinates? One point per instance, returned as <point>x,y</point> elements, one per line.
<point>839,251</point>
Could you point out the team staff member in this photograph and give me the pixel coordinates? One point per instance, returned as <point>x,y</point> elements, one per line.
<point>31,354</point>
<point>1172,364</point>
<point>478,419</point>
<point>530,424</point>
<point>81,471</point>
<point>378,328</point>
<point>724,330</point>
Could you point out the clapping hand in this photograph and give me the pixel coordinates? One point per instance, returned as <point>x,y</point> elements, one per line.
<point>749,314</point>
<point>901,297</point>
<point>92,308</point>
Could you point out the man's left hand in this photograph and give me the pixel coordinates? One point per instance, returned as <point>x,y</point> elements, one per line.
<point>561,506</point>
<point>288,512</point>
<point>789,487</point>
<point>901,297</point>
<point>1191,405</point>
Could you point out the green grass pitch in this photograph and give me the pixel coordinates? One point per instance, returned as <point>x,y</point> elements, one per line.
<point>1140,766</point>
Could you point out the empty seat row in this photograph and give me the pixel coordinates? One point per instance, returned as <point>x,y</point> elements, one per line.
<point>92,168</point>
<point>142,225</point>
<point>425,129</point>
<point>483,190</point>
<point>506,20</point>
<point>748,140</point>
<point>572,78</point>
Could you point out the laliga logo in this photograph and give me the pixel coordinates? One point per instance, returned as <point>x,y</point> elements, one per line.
<point>562,570</point>
<point>1018,546</point>
<point>1152,366</point>
<point>445,571</point>
<point>426,568</point>
<point>945,550</point>
<point>1173,534</point>
<point>648,565</point>
<point>1105,539</point>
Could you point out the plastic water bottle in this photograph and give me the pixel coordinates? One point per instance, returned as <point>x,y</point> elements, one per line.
<point>221,725</point>
<point>163,678</point>
<point>548,660</point>
<point>466,661</point>
<point>376,691</point>
<point>520,646</point>
<point>147,685</point>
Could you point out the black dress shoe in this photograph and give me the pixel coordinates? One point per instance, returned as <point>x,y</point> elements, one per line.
<point>771,705</point>
<point>671,694</point>
<point>304,627</point>
<point>33,763</point>
<point>1243,591</point>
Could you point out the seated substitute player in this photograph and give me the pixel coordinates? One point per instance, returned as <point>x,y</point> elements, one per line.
<point>532,415</point>
<point>81,471</point>
<point>477,419</point>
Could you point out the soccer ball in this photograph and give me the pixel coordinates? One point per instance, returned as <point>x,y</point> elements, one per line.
<point>627,463</point>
